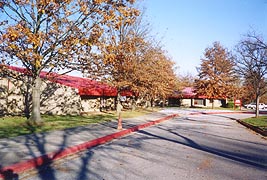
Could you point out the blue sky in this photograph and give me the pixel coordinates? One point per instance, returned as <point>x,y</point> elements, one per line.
<point>187,27</point>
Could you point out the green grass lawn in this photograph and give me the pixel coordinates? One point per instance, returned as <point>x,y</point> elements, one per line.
<point>260,122</point>
<point>17,125</point>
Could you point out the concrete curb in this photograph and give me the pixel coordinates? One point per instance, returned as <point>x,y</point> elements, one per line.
<point>227,112</point>
<point>256,129</point>
<point>15,169</point>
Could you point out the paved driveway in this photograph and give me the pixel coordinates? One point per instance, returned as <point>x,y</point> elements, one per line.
<point>193,147</point>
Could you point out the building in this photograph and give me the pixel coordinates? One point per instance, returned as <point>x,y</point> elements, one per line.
<point>65,94</point>
<point>61,94</point>
<point>188,98</point>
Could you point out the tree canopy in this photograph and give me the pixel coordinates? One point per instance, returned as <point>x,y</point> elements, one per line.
<point>216,75</point>
<point>56,35</point>
<point>130,60</point>
<point>252,65</point>
<point>102,38</point>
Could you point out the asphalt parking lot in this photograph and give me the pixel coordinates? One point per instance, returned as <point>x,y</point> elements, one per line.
<point>199,146</point>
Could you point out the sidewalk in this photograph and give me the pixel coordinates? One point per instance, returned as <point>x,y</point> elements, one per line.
<point>39,148</point>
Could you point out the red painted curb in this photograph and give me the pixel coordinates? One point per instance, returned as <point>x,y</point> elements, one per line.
<point>49,158</point>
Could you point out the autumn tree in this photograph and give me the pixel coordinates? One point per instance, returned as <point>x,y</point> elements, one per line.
<point>155,74</point>
<point>186,80</point>
<point>129,62</point>
<point>216,75</point>
<point>132,62</point>
<point>252,65</point>
<point>55,35</point>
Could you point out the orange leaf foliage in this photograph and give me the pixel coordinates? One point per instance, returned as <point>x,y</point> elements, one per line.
<point>53,35</point>
<point>217,78</point>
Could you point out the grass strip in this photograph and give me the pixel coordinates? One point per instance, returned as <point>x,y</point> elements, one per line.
<point>12,126</point>
<point>260,122</point>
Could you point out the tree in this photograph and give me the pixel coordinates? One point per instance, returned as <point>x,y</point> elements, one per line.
<point>155,74</point>
<point>216,75</point>
<point>186,80</point>
<point>252,65</point>
<point>130,61</point>
<point>55,35</point>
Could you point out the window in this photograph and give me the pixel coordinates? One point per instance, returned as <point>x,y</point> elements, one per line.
<point>199,102</point>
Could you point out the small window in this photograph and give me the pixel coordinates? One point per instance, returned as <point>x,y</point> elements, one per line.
<point>199,102</point>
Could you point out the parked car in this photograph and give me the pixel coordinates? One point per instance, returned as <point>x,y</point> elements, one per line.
<point>253,106</point>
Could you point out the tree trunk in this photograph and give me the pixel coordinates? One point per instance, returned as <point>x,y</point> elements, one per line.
<point>257,106</point>
<point>119,109</point>
<point>133,105</point>
<point>152,103</point>
<point>212,106</point>
<point>27,97</point>
<point>36,95</point>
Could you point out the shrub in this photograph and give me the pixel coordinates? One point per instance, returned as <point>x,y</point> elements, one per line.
<point>230,105</point>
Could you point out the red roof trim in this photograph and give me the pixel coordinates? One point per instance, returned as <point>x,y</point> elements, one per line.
<point>188,93</point>
<point>85,86</point>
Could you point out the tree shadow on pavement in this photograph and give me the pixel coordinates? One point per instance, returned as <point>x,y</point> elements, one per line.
<point>36,148</point>
<point>238,157</point>
<point>9,174</point>
<point>38,141</point>
<point>195,120</point>
<point>220,136</point>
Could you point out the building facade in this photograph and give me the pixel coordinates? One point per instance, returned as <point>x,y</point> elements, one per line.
<point>187,98</point>
<point>60,95</point>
